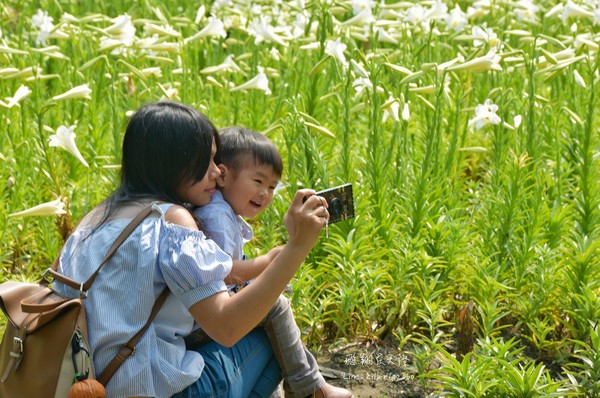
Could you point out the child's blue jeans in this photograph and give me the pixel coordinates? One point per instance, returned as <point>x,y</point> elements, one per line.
<point>248,369</point>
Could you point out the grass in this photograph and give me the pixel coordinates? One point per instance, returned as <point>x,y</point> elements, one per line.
<point>504,216</point>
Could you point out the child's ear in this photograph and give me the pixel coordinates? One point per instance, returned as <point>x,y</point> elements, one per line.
<point>223,176</point>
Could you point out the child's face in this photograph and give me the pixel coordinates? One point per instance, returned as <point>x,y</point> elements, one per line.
<point>250,191</point>
<point>199,193</point>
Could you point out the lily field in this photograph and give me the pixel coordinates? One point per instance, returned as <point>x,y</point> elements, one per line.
<point>469,130</point>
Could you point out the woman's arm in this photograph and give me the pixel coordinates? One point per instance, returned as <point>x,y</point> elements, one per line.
<point>225,318</point>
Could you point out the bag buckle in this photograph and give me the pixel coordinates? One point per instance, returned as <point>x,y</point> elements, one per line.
<point>82,293</point>
<point>45,277</point>
<point>17,351</point>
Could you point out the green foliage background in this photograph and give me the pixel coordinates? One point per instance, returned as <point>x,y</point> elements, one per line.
<point>505,217</point>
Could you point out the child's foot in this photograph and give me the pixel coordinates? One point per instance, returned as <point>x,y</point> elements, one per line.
<point>329,391</point>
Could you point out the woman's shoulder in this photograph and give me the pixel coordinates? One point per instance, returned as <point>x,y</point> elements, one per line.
<point>179,215</point>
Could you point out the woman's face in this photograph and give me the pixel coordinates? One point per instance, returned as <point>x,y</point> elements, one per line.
<point>199,193</point>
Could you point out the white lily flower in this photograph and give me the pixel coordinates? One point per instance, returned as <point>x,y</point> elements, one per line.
<point>167,30</point>
<point>406,112</point>
<point>107,43</point>
<point>214,28</point>
<point>82,91</point>
<point>578,79</point>
<point>52,52</point>
<point>336,50</point>
<point>359,69</point>
<point>154,71</point>
<point>445,65</point>
<point>22,92</point>
<point>526,10</point>
<point>4,49</point>
<point>4,72</point>
<point>170,91</point>
<point>364,17</point>
<point>258,82</point>
<point>517,120</point>
<point>568,53</point>
<point>484,35</point>
<point>585,40</point>
<point>228,65</point>
<point>65,139</point>
<point>573,10</point>
<point>69,19</point>
<point>391,108</point>
<point>54,208</point>
<point>43,23</point>
<point>361,84</point>
<point>417,16</point>
<point>214,82</point>
<point>483,4</point>
<point>360,5</point>
<point>382,35</point>
<point>490,61</point>
<point>168,47</point>
<point>438,10</point>
<point>311,46</point>
<point>554,11</point>
<point>485,114</point>
<point>40,19</point>
<point>456,19</point>
<point>219,5</point>
<point>122,26</point>
<point>413,88</point>
<point>262,30</point>
<point>300,24</point>
<point>275,54</point>
<point>200,14</point>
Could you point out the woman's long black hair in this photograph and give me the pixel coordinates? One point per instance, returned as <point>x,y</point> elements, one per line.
<point>166,144</point>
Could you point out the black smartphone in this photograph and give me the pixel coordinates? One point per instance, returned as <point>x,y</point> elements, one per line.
<point>341,202</point>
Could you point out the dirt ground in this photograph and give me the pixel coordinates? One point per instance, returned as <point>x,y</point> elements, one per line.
<point>372,371</point>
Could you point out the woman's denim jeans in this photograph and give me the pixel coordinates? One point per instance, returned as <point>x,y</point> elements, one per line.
<point>248,369</point>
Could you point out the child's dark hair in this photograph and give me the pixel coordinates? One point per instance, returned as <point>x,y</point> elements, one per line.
<point>240,145</point>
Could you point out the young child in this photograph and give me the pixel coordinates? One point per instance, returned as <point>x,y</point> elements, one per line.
<point>251,168</point>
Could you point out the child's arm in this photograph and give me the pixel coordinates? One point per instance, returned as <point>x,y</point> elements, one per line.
<point>245,270</point>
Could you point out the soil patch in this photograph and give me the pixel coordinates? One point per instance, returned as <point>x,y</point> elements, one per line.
<point>373,371</point>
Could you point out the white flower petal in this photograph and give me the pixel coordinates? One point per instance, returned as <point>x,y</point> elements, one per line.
<point>22,92</point>
<point>485,114</point>
<point>82,91</point>
<point>56,207</point>
<point>65,139</point>
<point>258,82</point>
<point>336,50</point>
<point>578,79</point>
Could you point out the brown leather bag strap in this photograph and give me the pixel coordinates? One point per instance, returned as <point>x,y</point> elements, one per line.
<point>128,348</point>
<point>83,287</point>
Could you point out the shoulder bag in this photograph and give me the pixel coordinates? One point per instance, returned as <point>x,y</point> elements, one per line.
<point>44,349</point>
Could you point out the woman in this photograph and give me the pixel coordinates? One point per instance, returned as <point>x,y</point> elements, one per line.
<point>168,159</point>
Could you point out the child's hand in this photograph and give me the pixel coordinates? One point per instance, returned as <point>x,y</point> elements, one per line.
<point>305,218</point>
